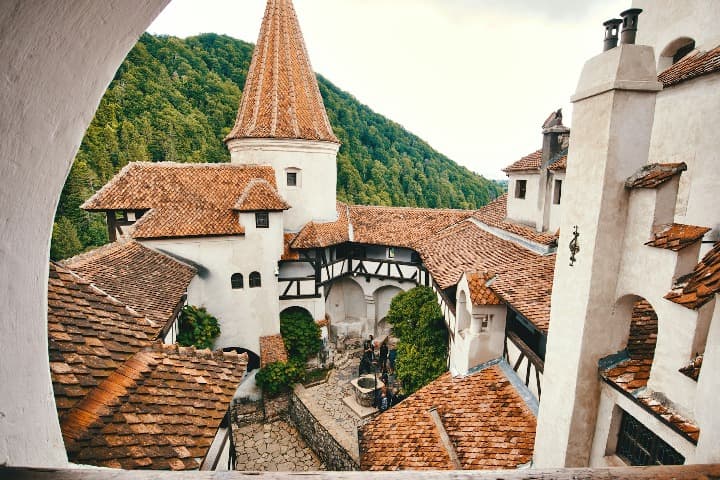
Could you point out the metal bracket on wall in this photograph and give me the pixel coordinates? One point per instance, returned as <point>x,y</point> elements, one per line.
<point>574,246</point>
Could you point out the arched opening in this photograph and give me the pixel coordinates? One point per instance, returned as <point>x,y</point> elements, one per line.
<point>236,281</point>
<point>383,298</point>
<point>463,312</point>
<point>255,280</point>
<point>253,358</point>
<point>296,310</point>
<point>345,304</point>
<point>674,52</point>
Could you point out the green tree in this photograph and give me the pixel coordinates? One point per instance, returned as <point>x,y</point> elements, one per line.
<point>418,323</point>
<point>197,327</point>
<point>300,334</point>
<point>278,377</point>
<point>65,242</point>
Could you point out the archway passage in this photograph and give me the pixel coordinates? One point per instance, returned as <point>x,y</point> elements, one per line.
<point>253,358</point>
<point>295,310</point>
<point>383,298</point>
<point>633,372</point>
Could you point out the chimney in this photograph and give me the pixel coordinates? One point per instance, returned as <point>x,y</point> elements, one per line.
<point>629,25</point>
<point>611,33</point>
<point>553,135</point>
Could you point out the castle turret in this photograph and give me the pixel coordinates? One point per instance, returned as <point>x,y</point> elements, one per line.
<point>282,120</point>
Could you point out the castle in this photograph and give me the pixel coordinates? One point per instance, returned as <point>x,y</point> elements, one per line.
<point>612,323</point>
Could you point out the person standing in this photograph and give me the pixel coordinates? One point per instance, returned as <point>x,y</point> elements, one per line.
<point>382,361</point>
<point>392,355</point>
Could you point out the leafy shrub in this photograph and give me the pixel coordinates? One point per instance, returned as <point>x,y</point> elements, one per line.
<point>300,333</point>
<point>418,323</point>
<point>277,377</point>
<point>197,327</point>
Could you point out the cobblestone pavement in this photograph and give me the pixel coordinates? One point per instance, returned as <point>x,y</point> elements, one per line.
<point>275,446</point>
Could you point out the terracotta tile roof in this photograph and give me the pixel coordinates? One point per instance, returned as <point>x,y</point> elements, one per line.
<point>559,164</point>
<point>654,175</point>
<point>160,410</point>
<point>524,278</point>
<point>185,200</point>
<point>529,162</point>
<point>694,65</point>
<point>260,195</point>
<point>701,285</point>
<point>632,375</point>
<point>692,370</point>
<point>288,252</point>
<point>480,291</point>
<point>676,236</point>
<point>400,226</point>
<point>149,282</point>
<point>90,334</point>
<point>281,98</point>
<point>486,419</point>
<point>272,349</point>
<point>325,234</point>
<point>494,215</point>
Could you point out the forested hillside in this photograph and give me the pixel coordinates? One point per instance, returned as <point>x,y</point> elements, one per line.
<point>175,100</point>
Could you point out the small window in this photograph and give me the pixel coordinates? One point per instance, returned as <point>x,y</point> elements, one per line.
<point>255,281</point>
<point>262,220</point>
<point>520,188</point>
<point>638,446</point>
<point>236,281</point>
<point>557,192</point>
<point>292,179</point>
<point>391,252</point>
<point>684,50</point>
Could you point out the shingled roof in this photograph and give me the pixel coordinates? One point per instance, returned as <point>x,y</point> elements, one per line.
<point>260,195</point>
<point>701,285</point>
<point>185,200</point>
<point>676,236</point>
<point>90,334</point>
<point>480,291</point>
<point>281,98</point>
<point>160,410</point>
<point>488,423</point>
<point>654,175</point>
<point>523,278</point>
<point>530,162</point>
<point>318,235</point>
<point>494,215</point>
<point>150,282</point>
<point>692,66</point>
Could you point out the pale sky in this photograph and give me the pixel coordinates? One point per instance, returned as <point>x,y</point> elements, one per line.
<point>474,78</point>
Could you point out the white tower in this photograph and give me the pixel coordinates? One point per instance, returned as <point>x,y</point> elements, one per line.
<point>282,121</point>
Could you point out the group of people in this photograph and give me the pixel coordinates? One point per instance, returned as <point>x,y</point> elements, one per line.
<point>382,364</point>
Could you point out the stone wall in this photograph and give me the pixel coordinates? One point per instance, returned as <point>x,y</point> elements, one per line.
<point>246,412</point>
<point>334,455</point>
<point>276,408</point>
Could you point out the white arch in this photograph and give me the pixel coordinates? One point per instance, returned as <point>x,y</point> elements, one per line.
<point>56,64</point>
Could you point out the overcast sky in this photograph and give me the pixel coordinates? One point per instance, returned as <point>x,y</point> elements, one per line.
<point>474,78</point>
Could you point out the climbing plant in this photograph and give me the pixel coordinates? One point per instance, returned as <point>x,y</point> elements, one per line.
<point>418,323</point>
<point>197,327</point>
<point>300,333</point>
<point>277,377</point>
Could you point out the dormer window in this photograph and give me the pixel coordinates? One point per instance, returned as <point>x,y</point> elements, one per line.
<point>262,220</point>
<point>520,188</point>
<point>292,177</point>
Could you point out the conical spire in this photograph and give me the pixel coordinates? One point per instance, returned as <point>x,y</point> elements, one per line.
<point>281,98</point>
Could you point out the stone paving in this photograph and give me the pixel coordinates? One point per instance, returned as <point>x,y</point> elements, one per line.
<point>275,446</point>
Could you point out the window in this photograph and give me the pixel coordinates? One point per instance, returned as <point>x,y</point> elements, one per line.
<point>684,50</point>
<point>262,220</point>
<point>520,188</point>
<point>557,192</point>
<point>236,281</point>
<point>391,252</point>
<point>637,445</point>
<point>255,281</point>
<point>292,179</point>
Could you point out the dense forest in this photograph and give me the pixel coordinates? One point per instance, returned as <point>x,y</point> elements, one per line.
<point>175,99</point>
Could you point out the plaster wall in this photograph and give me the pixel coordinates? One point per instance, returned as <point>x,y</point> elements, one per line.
<point>612,122</point>
<point>56,64</point>
<point>523,210</point>
<point>316,306</point>
<point>681,134</point>
<point>555,210</point>
<point>315,162</point>
<point>664,21</point>
<point>708,387</point>
<point>244,314</point>
<point>609,413</point>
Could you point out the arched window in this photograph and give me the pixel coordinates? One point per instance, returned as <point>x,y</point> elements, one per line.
<point>255,280</point>
<point>674,52</point>
<point>236,281</point>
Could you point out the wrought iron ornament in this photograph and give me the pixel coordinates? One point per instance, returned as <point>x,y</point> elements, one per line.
<point>574,246</point>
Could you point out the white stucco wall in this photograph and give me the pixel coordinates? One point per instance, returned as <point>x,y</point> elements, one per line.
<point>314,197</point>
<point>707,392</point>
<point>56,64</point>
<point>244,314</point>
<point>555,210</point>
<point>519,209</point>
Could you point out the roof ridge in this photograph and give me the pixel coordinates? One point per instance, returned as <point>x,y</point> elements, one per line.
<point>200,354</point>
<point>87,256</point>
<point>393,207</point>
